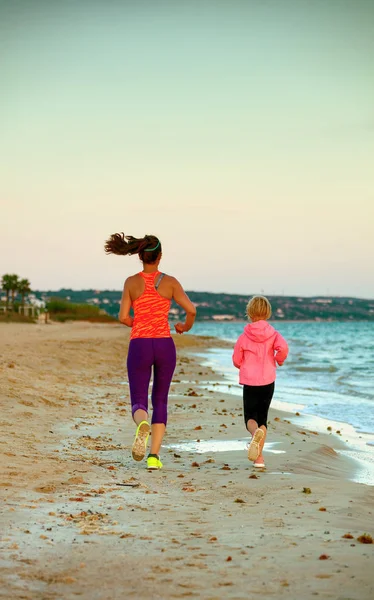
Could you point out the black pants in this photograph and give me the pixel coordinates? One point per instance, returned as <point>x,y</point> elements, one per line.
<point>256,402</point>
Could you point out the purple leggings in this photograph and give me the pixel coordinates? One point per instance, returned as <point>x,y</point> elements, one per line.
<point>145,353</point>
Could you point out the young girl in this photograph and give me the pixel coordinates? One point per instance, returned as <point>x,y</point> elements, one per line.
<point>149,293</point>
<point>256,354</point>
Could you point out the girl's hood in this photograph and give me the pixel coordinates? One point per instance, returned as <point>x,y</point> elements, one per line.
<point>260,331</point>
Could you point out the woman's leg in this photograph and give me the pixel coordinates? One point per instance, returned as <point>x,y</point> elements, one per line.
<point>164,366</point>
<point>139,368</point>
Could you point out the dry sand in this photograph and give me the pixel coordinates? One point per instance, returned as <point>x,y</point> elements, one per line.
<point>78,518</point>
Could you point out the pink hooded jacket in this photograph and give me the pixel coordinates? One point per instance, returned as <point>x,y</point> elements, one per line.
<point>257,352</point>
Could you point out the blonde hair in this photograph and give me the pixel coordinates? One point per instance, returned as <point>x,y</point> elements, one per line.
<point>259,308</point>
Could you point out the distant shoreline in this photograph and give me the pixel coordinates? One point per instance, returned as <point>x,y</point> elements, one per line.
<point>213,307</point>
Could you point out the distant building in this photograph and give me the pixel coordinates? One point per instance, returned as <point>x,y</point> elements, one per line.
<point>34,301</point>
<point>223,317</point>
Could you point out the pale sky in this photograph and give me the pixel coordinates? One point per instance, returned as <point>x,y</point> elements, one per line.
<point>239,132</point>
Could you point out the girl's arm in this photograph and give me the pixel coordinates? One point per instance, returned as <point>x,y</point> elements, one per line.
<point>124,311</point>
<point>181,298</point>
<point>237,357</point>
<point>281,349</point>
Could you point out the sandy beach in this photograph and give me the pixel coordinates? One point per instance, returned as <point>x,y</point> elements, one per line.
<point>79,518</point>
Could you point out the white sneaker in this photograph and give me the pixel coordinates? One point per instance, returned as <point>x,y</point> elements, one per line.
<point>254,446</point>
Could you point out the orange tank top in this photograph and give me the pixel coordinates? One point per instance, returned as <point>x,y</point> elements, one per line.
<point>151,310</point>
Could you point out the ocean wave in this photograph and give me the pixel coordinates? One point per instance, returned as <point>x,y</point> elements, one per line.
<point>329,369</point>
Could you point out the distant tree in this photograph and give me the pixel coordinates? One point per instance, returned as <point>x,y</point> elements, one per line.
<point>9,283</point>
<point>23,288</point>
<point>14,290</point>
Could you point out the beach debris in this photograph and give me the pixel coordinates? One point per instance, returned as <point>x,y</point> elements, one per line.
<point>297,414</point>
<point>347,536</point>
<point>191,392</point>
<point>365,538</point>
<point>253,476</point>
<point>307,490</point>
<point>213,539</point>
<point>225,468</point>
<point>128,484</point>
<point>276,419</point>
<point>195,464</point>
<point>239,501</point>
<point>209,460</point>
<point>322,509</point>
<point>324,557</point>
<point>329,429</point>
<point>198,428</point>
<point>176,455</point>
<point>223,425</point>
<point>229,559</point>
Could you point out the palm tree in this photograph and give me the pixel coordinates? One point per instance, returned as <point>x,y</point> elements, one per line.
<point>14,290</point>
<point>9,283</point>
<point>23,288</point>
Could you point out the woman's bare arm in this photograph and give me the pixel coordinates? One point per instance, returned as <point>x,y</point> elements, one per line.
<point>124,311</point>
<point>181,298</point>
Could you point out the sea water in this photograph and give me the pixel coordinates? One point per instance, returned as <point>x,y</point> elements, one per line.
<point>329,371</point>
<point>328,379</point>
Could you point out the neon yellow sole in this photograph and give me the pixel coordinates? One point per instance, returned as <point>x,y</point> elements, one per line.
<point>139,446</point>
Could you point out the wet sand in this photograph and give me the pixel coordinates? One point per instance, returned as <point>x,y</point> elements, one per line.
<point>78,518</point>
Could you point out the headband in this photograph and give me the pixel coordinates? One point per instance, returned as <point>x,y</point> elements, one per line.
<point>150,249</point>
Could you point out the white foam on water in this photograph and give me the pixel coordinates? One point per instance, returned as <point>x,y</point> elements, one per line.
<point>205,446</point>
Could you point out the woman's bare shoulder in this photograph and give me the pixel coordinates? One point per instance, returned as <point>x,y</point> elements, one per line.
<point>132,279</point>
<point>171,279</point>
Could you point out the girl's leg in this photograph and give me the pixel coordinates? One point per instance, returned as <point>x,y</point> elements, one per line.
<point>164,365</point>
<point>260,460</point>
<point>267,395</point>
<point>252,425</point>
<point>250,404</point>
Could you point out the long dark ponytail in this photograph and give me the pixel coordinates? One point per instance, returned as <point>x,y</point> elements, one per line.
<point>148,248</point>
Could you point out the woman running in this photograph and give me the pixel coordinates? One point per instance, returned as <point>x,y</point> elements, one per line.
<point>149,293</point>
